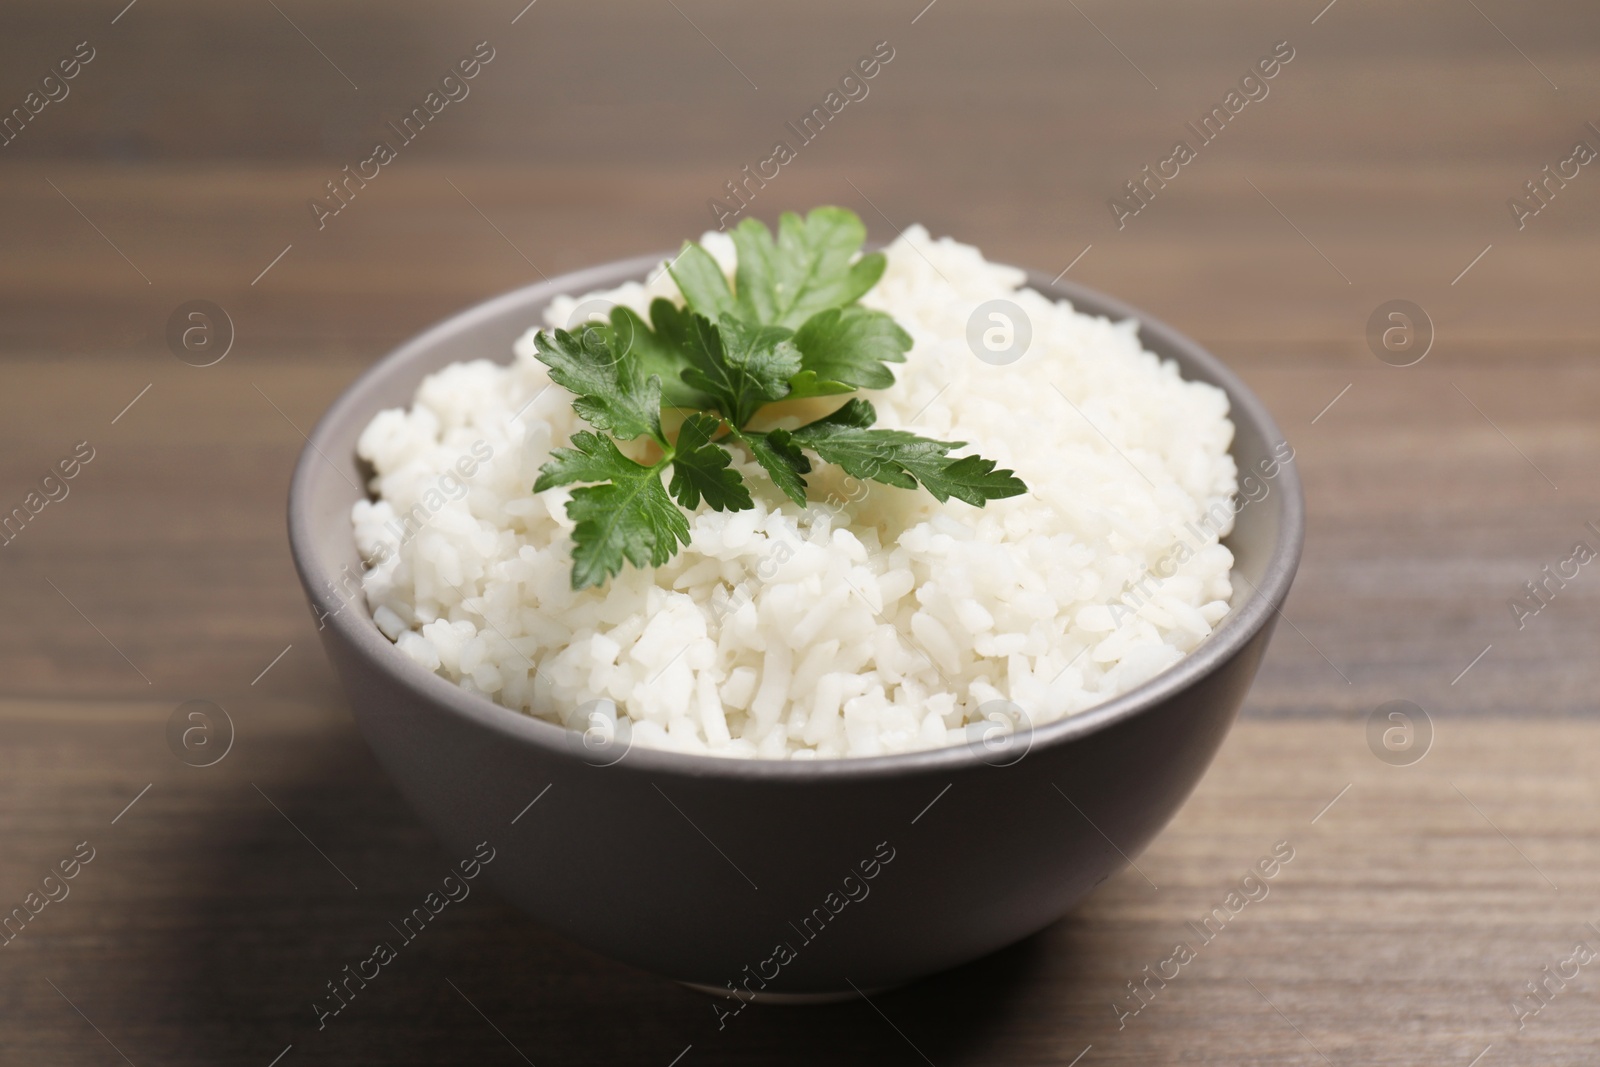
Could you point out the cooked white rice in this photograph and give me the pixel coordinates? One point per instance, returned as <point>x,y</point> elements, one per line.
<point>878,621</point>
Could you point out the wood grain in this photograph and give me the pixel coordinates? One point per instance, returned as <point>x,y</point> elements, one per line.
<point>1417,905</point>
<point>1399,933</point>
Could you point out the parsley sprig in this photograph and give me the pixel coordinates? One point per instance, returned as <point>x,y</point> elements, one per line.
<point>789,328</point>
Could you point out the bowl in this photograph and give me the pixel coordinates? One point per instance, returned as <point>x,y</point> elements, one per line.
<point>783,880</point>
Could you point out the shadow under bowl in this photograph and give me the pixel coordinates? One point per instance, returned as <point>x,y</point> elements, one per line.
<point>785,877</point>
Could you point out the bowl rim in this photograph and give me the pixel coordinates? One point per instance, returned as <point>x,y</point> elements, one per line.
<point>362,635</point>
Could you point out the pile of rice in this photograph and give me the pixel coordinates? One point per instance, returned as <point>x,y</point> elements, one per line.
<point>876,621</point>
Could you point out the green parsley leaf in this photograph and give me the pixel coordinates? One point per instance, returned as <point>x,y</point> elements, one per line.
<point>808,269</point>
<point>739,365</point>
<point>655,353</point>
<point>700,469</point>
<point>589,460</point>
<point>970,478</point>
<point>851,345</point>
<point>628,517</point>
<point>901,458</point>
<point>789,328</point>
<point>762,360</point>
<point>692,336</point>
<point>807,384</point>
<point>855,414</point>
<point>702,282</point>
<point>781,459</point>
<point>611,395</point>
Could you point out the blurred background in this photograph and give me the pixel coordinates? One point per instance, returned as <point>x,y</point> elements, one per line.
<point>1390,159</point>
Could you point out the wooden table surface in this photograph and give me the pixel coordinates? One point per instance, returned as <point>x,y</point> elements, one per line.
<point>1422,899</point>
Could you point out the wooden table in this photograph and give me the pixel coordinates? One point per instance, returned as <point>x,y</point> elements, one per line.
<point>1421,900</point>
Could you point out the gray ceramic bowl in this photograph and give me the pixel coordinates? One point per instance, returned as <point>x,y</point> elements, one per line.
<point>793,879</point>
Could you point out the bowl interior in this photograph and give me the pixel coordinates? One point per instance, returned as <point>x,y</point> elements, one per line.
<point>1265,540</point>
